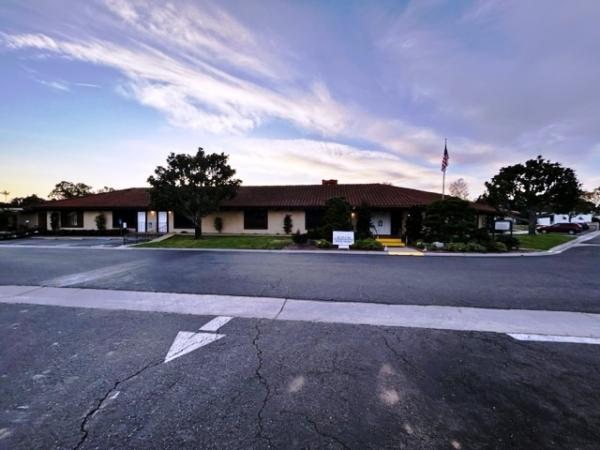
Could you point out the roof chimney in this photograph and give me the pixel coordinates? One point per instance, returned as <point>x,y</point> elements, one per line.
<point>328,182</point>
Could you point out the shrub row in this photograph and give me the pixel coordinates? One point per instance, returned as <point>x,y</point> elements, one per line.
<point>367,244</point>
<point>466,247</point>
<point>360,244</point>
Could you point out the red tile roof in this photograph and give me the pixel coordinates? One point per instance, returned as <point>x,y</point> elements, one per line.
<point>306,196</point>
<point>124,198</point>
<point>285,197</point>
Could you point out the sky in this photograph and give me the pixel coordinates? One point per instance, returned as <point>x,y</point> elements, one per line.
<point>101,91</point>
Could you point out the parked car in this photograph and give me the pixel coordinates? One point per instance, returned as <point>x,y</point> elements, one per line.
<point>571,228</point>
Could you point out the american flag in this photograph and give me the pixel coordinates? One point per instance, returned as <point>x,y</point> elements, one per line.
<point>445,158</point>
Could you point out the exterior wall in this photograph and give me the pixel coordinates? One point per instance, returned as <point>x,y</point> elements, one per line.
<point>560,218</point>
<point>544,221</point>
<point>233,223</point>
<point>276,221</point>
<point>89,219</point>
<point>581,218</point>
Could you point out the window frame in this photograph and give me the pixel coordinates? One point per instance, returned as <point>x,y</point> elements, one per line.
<point>128,216</point>
<point>256,222</point>
<point>66,222</point>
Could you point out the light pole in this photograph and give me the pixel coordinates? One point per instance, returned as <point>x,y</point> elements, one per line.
<point>6,194</point>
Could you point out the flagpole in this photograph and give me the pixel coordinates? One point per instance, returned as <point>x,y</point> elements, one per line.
<point>444,185</point>
<point>444,172</point>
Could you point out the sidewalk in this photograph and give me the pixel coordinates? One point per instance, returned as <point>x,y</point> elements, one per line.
<point>554,324</point>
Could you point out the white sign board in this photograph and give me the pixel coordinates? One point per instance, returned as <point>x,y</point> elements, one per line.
<point>343,239</point>
<point>502,225</point>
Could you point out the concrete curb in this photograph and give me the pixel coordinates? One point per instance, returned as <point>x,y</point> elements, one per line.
<point>248,250</point>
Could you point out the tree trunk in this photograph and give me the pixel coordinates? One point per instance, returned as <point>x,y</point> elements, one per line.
<point>198,230</point>
<point>532,221</point>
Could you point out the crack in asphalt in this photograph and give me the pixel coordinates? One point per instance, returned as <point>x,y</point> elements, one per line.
<point>400,356</point>
<point>262,380</point>
<point>280,309</point>
<point>101,401</point>
<point>325,435</point>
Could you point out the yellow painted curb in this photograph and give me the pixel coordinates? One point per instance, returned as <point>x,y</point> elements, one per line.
<point>405,253</point>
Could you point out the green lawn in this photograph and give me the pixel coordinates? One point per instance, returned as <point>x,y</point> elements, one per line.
<point>543,241</point>
<point>243,242</point>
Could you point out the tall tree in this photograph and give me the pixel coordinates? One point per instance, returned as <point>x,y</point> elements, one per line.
<point>66,189</point>
<point>536,186</point>
<point>193,185</point>
<point>414,224</point>
<point>449,220</point>
<point>460,189</point>
<point>26,202</point>
<point>363,221</point>
<point>593,197</point>
<point>337,217</point>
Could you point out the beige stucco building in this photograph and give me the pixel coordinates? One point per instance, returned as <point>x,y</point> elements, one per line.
<point>254,210</point>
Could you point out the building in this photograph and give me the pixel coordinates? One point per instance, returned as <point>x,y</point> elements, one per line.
<point>254,210</point>
<point>9,217</point>
<point>551,219</point>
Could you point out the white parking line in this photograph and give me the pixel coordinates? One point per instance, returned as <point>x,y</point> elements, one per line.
<point>550,338</point>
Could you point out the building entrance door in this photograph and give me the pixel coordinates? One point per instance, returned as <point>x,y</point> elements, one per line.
<point>396,226</point>
<point>43,220</point>
<point>141,222</point>
<point>163,222</point>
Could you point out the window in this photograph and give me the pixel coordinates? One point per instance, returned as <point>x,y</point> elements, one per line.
<point>314,218</point>
<point>181,221</point>
<point>71,219</point>
<point>128,216</point>
<point>256,219</point>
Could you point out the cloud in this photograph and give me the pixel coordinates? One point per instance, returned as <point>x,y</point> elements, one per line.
<point>204,32</point>
<point>195,94</point>
<point>56,85</point>
<point>88,85</point>
<point>281,161</point>
<point>500,70</point>
<point>498,79</point>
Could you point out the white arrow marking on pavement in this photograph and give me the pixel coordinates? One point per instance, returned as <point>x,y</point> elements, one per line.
<point>187,341</point>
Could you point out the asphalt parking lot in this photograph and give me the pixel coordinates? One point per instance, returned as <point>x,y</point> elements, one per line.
<point>75,378</point>
<point>595,241</point>
<point>567,282</point>
<point>97,378</point>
